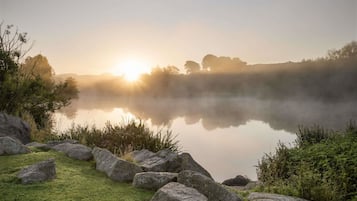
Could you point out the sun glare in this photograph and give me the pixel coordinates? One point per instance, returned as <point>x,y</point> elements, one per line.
<point>131,70</point>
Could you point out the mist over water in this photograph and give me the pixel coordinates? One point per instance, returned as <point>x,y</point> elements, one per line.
<point>226,135</point>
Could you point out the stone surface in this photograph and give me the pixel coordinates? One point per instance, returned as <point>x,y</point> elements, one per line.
<point>42,171</point>
<point>76,151</point>
<point>115,168</point>
<point>207,186</point>
<point>239,180</point>
<point>10,146</point>
<point>255,196</point>
<point>153,180</point>
<point>188,163</point>
<point>162,161</point>
<point>177,192</point>
<point>41,146</point>
<point>14,127</point>
<point>140,155</point>
<point>52,143</point>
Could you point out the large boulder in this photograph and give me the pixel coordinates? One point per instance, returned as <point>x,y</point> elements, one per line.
<point>153,180</point>
<point>53,143</point>
<point>42,171</point>
<point>239,180</point>
<point>207,186</point>
<point>271,197</point>
<point>177,192</point>
<point>188,163</point>
<point>162,161</point>
<point>141,155</point>
<point>14,127</point>
<point>76,151</point>
<point>10,146</point>
<point>114,167</point>
<point>38,145</point>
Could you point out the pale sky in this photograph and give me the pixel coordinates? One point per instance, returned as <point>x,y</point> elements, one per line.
<point>92,37</point>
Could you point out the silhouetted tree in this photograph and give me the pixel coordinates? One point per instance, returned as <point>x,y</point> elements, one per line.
<point>208,61</point>
<point>192,67</point>
<point>347,51</point>
<point>216,64</point>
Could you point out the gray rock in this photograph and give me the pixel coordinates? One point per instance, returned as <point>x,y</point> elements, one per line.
<point>153,180</point>
<point>114,167</point>
<point>41,146</point>
<point>188,163</point>
<point>42,171</point>
<point>76,151</point>
<point>52,143</point>
<point>10,146</point>
<point>239,180</point>
<point>177,192</point>
<point>140,155</point>
<point>207,186</point>
<point>271,197</point>
<point>162,161</point>
<point>14,127</point>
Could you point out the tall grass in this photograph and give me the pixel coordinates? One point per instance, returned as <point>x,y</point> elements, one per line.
<point>121,138</point>
<point>322,166</point>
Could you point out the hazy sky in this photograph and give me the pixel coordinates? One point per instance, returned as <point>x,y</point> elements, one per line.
<point>86,36</point>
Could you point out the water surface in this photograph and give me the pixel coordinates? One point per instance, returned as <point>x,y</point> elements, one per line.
<point>226,135</point>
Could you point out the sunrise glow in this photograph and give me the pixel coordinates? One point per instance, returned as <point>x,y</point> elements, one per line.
<point>131,70</point>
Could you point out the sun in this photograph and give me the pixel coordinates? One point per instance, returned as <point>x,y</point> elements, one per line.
<point>131,70</point>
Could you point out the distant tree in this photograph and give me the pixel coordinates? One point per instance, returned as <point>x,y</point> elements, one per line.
<point>347,51</point>
<point>216,64</point>
<point>172,70</point>
<point>192,67</point>
<point>209,61</point>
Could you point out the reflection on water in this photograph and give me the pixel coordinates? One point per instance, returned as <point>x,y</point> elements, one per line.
<point>226,135</point>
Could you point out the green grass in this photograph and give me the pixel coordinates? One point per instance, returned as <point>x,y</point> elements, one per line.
<point>76,180</point>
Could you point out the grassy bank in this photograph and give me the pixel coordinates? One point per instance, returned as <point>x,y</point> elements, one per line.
<point>76,180</point>
<point>118,138</point>
<point>322,166</point>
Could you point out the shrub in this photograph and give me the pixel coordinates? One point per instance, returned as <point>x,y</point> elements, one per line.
<point>123,138</point>
<point>321,167</point>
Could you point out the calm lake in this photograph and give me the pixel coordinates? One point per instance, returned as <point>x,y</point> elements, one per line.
<point>227,136</point>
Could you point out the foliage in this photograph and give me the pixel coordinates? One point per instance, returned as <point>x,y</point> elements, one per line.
<point>192,67</point>
<point>323,165</point>
<point>29,88</point>
<point>121,139</point>
<point>76,180</point>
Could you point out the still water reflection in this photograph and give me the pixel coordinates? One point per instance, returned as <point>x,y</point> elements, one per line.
<point>226,135</point>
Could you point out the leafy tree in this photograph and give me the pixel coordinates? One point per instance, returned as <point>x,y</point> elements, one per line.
<point>347,51</point>
<point>209,61</point>
<point>221,64</point>
<point>38,66</point>
<point>29,87</point>
<point>192,67</point>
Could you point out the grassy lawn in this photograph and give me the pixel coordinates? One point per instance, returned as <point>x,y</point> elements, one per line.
<point>76,180</point>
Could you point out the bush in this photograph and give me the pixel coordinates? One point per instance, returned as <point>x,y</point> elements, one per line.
<point>121,139</point>
<point>323,165</point>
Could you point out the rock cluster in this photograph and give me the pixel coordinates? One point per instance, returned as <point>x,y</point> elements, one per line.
<point>174,177</point>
